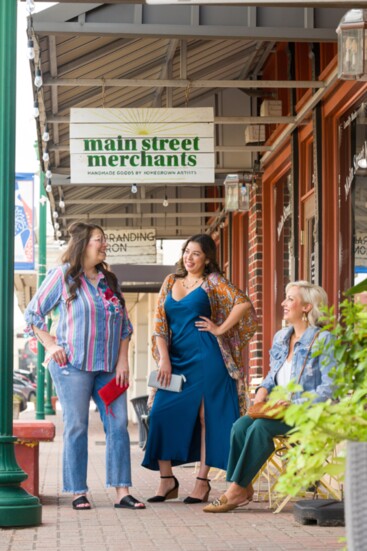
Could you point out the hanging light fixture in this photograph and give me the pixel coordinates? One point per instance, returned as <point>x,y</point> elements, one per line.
<point>352,45</point>
<point>36,111</point>
<point>231,184</point>
<point>55,214</point>
<point>48,187</point>
<point>45,156</point>
<point>61,204</point>
<point>30,6</point>
<point>46,134</point>
<point>30,50</point>
<point>48,174</point>
<point>38,78</point>
<point>243,198</point>
<point>134,188</point>
<point>165,200</point>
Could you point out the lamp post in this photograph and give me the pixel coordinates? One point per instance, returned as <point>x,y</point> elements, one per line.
<point>40,403</point>
<point>17,507</point>
<point>352,45</point>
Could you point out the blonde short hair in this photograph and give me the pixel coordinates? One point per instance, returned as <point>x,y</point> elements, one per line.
<point>314,295</point>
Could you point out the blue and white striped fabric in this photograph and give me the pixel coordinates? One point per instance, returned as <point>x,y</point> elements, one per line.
<point>90,328</point>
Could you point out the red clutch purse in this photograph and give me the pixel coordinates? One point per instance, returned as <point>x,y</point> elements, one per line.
<point>111,391</point>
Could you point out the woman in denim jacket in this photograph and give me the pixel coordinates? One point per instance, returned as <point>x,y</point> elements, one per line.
<point>252,439</point>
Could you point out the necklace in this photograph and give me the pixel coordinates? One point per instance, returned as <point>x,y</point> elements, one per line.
<point>192,285</point>
<point>93,277</point>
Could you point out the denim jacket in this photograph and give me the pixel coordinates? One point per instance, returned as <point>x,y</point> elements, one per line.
<point>315,377</point>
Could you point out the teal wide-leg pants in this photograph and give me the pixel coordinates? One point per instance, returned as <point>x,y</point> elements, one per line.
<point>251,445</point>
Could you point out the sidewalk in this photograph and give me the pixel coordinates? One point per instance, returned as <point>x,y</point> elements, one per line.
<point>170,526</point>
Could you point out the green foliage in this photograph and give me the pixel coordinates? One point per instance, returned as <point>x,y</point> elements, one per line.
<point>359,288</point>
<point>321,426</point>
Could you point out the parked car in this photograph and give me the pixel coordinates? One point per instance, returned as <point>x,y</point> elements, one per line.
<point>27,378</point>
<point>31,374</point>
<point>27,389</point>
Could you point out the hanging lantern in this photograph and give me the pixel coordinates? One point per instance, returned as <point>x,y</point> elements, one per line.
<point>352,45</point>
<point>231,184</point>
<point>237,192</point>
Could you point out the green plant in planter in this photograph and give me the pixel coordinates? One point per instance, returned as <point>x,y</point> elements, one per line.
<point>319,427</point>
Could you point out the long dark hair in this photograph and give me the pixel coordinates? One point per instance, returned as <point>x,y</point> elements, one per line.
<point>208,247</point>
<point>80,234</point>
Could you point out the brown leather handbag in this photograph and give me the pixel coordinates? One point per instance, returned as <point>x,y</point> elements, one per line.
<point>262,410</point>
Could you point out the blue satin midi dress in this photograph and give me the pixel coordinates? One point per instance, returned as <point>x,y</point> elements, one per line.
<point>174,425</point>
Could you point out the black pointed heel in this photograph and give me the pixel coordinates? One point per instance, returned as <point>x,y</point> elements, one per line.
<point>171,494</point>
<point>190,500</point>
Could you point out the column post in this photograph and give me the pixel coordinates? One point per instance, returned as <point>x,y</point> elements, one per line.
<point>17,507</point>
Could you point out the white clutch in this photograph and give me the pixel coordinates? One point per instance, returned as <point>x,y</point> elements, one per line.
<point>175,385</point>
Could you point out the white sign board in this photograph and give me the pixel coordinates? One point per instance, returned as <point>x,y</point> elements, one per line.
<point>150,145</point>
<point>125,246</point>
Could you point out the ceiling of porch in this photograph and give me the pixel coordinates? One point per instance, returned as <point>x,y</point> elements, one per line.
<point>133,55</point>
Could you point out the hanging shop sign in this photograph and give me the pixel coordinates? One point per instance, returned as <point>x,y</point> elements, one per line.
<point>125,146</point>
<point>24,222</point>
<point>125,246</point>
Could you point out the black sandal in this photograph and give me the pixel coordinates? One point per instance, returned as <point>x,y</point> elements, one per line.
<point>81,501</point>
<point>129,502</point>
<point>171,494</point>
<point>192,500</point>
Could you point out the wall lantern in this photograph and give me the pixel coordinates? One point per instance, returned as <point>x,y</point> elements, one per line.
<point>236,194</point>
<point>352,45</point>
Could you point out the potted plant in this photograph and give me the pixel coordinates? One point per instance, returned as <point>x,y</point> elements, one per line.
<point>321,428</point>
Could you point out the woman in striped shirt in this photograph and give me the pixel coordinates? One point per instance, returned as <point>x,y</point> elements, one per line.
<point>87,346</point>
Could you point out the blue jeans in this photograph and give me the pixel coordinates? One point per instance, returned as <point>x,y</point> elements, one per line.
<point>74,389</point>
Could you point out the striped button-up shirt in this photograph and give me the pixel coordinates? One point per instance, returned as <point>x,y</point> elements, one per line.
<point>90,328</point>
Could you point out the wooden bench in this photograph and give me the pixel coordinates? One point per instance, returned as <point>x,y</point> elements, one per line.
<point>29,434</point>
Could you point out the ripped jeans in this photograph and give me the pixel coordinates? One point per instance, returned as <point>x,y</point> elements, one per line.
<point>74,389</point>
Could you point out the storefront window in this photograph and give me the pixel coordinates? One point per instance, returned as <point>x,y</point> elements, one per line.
<point>283,232</point>
<point>360,228</point>
<point>353,197</point>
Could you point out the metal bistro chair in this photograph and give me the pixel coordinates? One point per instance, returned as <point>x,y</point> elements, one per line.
<point>141,409</point>
<point>275,466</point>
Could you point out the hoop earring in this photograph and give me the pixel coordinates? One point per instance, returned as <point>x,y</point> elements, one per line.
<point>305,317</point>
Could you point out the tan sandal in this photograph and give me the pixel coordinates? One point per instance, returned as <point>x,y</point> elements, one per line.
<point>221,505</point>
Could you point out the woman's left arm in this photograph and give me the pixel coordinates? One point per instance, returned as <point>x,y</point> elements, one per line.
<point>326,361</point>
<point>122,365</point>
<point>237,313</point>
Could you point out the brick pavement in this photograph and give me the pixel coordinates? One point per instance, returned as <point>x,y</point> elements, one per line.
<point>170,526</point>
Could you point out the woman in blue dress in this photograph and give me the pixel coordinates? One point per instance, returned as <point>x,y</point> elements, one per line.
<point>201,325</point>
